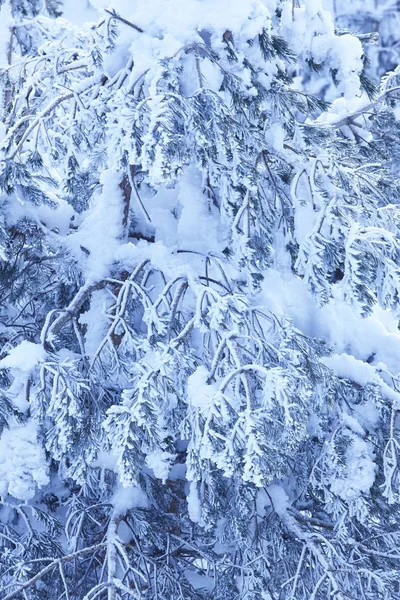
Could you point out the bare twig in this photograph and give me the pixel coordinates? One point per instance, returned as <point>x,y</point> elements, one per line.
<point>117,17</point>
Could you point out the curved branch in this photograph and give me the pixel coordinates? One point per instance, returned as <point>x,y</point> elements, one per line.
<point>70,312</point>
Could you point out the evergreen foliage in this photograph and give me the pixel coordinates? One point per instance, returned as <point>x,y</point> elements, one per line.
<point>182,221</point>
<point>376,22</point>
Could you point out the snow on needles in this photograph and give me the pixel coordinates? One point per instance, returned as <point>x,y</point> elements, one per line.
<point>24,357</point>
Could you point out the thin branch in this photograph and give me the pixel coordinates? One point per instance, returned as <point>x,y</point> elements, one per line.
<point>131,177</point>
<point>71,311</point>
<point>360,112</point>
<point>117,17</point>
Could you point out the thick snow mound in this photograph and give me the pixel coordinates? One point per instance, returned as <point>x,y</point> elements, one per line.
<point>23,465</point>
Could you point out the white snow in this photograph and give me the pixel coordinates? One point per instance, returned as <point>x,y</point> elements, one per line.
<point>6,22</point>
<point>278,498</point>
<point>376,336</point>
<point>79,12</point>
<point>360,471</point>
<point>193,502</point>
<point>24,357</point>
<point>23,466</point>
<point>183,218</point>
<point>101,232</point>
<point>160,463</point>
<point>348,367</point>
<point>93,318</point>
<point>128,497</point>
<point>198,227</point>
<point>312,32</point>
<point>200,393</point>
<point>182,18</point>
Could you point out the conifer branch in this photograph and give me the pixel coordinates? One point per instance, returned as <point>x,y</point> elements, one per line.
<point>48,568</point>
